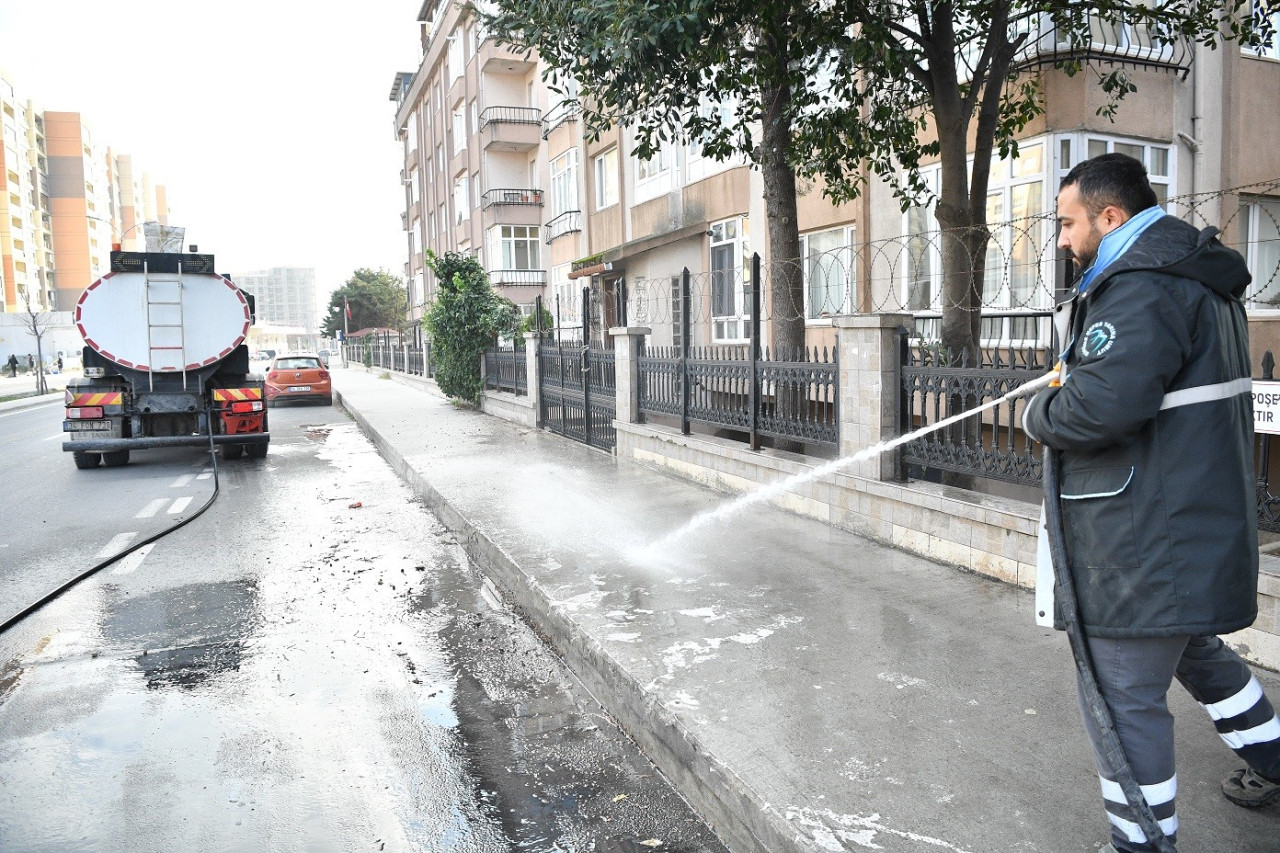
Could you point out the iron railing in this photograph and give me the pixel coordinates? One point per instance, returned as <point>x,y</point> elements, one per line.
<point>578,392</point>
<point>990,445</point>
<point>507,369</point>
<point>511,196</point>
<point>789,397</point>
<point>510,115</point>
<point>566,223</point>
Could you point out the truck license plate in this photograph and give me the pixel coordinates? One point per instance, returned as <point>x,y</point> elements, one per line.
<point>86,426</point>
<point>299,387</point>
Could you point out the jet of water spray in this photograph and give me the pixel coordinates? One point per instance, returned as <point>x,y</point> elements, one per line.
<point>776,488</point>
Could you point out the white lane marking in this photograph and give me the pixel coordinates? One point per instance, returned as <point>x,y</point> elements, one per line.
<point>206,475</point>
<point>131,562</point>
<point>179,505</point>
<point>152,508</point>
<point>55,436</point>
<point>117,544</point>
<point>182,481</point>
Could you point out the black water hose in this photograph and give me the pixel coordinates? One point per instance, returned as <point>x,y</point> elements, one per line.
<point>50,596</point>
<point>1068,607</point>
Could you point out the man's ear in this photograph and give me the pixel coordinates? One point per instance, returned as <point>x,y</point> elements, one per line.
<point>1111,218</point>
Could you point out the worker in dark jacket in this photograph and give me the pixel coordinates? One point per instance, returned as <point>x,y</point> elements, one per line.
<point>1153,423</point>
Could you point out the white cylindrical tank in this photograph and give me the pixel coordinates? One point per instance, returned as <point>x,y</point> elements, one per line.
<point>163,322</point>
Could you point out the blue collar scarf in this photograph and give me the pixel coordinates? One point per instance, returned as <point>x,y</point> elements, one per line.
<point>1118,242</point>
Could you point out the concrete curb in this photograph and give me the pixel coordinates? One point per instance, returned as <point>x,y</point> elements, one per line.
<point>738,815</point>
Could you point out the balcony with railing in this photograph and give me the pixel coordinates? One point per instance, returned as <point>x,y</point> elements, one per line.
<point>511,128</point>
<point>518,278</point>
<point>563,112</point>
<point>1116,40</point>
<point>512,206</point>
<point>497,57</point>
<point>566,223</point>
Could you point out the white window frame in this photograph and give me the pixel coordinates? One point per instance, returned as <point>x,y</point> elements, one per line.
<point>1259,221</point>
<point>459,128</point>
<point>456,57</point>
<point>564,182</point>
<point>698,166</point>
<point>1271,50</point>
<point>606,178</point>
<point>657,175</point>
<point>731,237</point>
<point>504,242</point>
<point>461,198</point>
<point>842,257</point>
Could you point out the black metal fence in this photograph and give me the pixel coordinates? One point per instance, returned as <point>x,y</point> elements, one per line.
<point>578,392</point>
<point>414,359</point>
<point>787,396</point>
<point>990,445</point>
<point>507,368</point>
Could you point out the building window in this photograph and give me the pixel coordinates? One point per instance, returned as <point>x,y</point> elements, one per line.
<point>461,198</point>
<point>565,292</point>
<point>1260,232</point>
<point>515,247</point>
<point>654,176</point>
<point>606,178</point>
<point>564,183</point>
<point>1271,49</point>
<point>828,272</point>
<point>455,57</point>
<point>1157,158</point>
<point>729,280</point>
<point>459,128</point>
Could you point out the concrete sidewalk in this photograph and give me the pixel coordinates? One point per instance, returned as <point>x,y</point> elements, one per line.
<point>807,690</point>
<point>23,387</point>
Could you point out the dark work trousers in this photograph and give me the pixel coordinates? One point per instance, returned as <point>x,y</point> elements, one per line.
<point>1134,676</point>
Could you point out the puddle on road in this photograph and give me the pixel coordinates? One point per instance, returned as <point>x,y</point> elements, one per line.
<point>317,433</point>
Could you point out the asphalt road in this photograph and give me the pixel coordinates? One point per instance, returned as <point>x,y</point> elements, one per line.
<point>309,665</point>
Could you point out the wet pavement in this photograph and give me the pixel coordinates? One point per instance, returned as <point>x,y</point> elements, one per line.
<point>312,665</point>
<point>805,689</point>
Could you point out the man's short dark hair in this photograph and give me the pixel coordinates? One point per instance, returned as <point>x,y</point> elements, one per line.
<point>1112,179</point>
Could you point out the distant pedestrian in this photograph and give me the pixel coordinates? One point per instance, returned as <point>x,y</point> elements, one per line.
<point>59,364</point>
<point>31,362</point>
<point>13,364</point>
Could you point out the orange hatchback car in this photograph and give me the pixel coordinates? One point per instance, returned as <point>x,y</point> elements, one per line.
<point>298,376</point>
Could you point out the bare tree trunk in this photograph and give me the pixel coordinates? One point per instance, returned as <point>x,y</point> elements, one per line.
<point>786,278</point>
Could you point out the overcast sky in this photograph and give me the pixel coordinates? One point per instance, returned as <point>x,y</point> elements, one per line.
<point>268,121</point>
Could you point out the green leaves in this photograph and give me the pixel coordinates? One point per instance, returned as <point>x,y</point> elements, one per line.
<point>466,317</point>
<point>376,298</point>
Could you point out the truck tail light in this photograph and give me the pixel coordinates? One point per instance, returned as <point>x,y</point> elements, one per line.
<point>246,406</point>
<point>81,412</point>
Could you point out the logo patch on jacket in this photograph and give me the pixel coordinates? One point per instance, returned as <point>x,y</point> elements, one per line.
<point>1097,339</point>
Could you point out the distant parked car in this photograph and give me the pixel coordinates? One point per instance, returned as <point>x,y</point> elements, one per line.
<point>298,376</point>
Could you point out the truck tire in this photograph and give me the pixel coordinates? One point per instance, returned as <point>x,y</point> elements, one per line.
<point>256,451</point>
<point>232,451</point>
<point>85,460</point>
<point>115,458</point>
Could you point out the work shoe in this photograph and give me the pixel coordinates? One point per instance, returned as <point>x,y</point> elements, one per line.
<point>1250,789</point>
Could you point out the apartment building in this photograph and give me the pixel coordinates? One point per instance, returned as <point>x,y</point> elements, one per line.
<point>285,296</point>
<point>494,165</point>
<point>27,270</point>
<point>65,200</point>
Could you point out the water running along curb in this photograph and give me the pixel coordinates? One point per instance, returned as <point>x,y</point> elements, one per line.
<point>744,822</point>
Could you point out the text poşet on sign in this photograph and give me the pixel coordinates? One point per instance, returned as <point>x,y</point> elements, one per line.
<point>1266,407</point>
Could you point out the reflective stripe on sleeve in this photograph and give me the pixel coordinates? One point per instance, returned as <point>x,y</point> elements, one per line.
<point>1206,393</point>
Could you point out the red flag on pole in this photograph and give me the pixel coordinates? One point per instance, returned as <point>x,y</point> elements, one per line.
<point>346,307</point>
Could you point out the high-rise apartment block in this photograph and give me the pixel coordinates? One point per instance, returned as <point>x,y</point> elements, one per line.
<point>65,200</point>
<point>285,296</point>
<point>497,165</point>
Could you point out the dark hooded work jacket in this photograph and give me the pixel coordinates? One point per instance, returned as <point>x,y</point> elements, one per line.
<point>1154,424</point>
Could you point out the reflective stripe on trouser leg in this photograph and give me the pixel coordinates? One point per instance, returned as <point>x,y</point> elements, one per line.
<point>1134,677</point>
<point>1227,689</point>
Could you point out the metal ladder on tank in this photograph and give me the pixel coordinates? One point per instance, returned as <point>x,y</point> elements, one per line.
<point>157,297</point>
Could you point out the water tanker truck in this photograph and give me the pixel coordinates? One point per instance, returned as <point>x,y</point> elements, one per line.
<point>165,363</point>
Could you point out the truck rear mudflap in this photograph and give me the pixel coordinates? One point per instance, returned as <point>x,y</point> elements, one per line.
<point>107,445</point>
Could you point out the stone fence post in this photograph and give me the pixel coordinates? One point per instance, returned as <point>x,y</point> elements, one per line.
<point>868,347</point>
<point>627,343</point>
<point>533,384</point>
